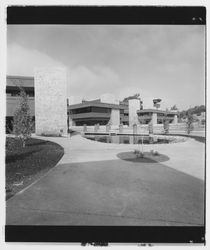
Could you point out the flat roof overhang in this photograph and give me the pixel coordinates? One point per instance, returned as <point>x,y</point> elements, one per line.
<point>95,104</point>
<point>156,111</point>
<point>92,115</point>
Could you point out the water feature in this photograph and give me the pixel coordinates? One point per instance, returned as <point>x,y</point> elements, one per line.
<point>134,139</point>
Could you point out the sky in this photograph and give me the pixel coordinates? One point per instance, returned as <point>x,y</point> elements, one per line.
<point>157,61</point>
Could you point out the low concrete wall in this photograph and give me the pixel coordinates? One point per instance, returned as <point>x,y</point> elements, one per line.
<point>141,129</point>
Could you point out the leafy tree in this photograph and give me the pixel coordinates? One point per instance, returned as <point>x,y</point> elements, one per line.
<point>23,125</point>
<point>196,110</point>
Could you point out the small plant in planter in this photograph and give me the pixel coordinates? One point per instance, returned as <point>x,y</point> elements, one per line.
<point>150,128</point>
<point>152,152</point>
<point>138,153</point>
<point>166,126</point>
<point>141,155</point>
<point>156,153</point>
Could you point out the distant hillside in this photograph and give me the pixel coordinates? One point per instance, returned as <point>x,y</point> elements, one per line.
<point>196,110</point>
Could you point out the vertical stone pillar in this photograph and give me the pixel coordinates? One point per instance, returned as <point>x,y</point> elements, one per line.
<point>121,128</point>
<point>150,128</point>
<point>116,139</point>
<point>134,129</point>
<point>50,101</point>
<point>107,128</point>
<point>175,119</point>
<point>96,128</point>
<point>71,122</point>
<point>131,139</point>
<point>133,106</point>
<point>115,117</point>
<point>84,128</point>
<point>154,118</point>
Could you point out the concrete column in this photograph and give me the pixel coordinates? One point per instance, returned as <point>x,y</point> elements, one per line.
<point>96,128</point>
<point>150,128</point>
<point>116,139</point>
<point>175,119</point>
<point>84,128</point>
<point>133,106</point>
<point>134,129</point>
<point>115,117</point>
<point>131,139</point>
<point>50,86</point>
<point>154,118</point>
<point>71,122</point>
<point>121,128</point>
<point>107,128</point>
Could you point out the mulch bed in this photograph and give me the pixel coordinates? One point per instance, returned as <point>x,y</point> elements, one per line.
<point>25,165</point>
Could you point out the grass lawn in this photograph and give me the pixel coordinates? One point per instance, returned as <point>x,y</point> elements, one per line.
<point>25,165</point>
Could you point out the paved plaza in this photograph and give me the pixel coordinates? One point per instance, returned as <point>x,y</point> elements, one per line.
<point>92,185</point>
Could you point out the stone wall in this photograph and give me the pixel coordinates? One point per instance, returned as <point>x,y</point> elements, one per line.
<point>51,101</point>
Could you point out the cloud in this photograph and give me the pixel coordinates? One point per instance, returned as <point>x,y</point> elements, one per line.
<point>157,61</point>
<point>90,83</point>
<point>22,61</point>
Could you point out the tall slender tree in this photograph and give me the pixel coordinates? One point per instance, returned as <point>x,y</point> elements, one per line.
<point>189,122</point>
<point>22,125</point>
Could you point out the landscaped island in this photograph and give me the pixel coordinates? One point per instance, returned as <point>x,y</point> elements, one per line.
<point>26,164</point>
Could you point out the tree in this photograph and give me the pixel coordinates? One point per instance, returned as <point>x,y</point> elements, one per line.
<point>165,124</point>
<point>196,110</point>
<point>174,107</point>
<point>23,125</point>
<point>189,122</point>
<point>150,127</point>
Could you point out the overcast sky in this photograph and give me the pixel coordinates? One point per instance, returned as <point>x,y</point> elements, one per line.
<point>157,61</point>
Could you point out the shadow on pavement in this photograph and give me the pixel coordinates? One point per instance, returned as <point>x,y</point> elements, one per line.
<point>147,158</point>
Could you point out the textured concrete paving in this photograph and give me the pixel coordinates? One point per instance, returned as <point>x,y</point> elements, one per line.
<point>92,186</point>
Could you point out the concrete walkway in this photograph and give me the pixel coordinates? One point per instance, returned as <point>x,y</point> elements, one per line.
<point>91,185</point>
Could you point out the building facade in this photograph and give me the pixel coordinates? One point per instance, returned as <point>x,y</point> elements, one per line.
<point>96,112</point>
<point>156,116</point>
<point>12,96</point>
<point>127,112</point>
